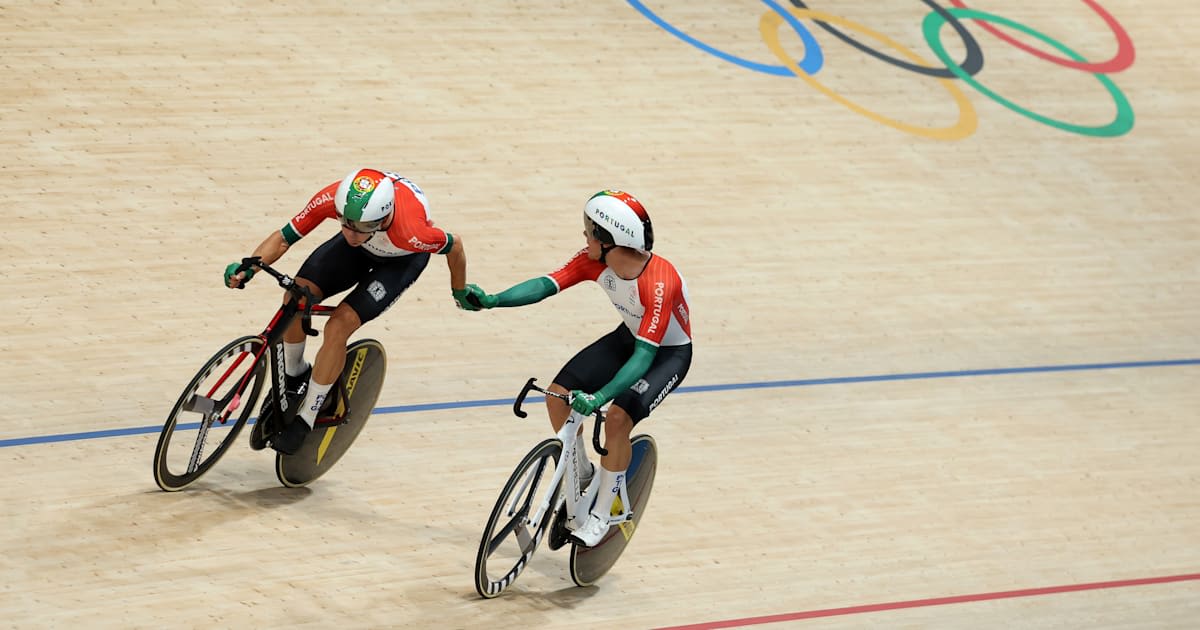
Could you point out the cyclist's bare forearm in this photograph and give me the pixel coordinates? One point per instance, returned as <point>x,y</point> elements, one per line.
<point>456,261</point>
<point>271,248</point>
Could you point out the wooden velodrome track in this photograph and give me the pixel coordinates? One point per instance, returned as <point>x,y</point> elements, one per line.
<point>943,378</point>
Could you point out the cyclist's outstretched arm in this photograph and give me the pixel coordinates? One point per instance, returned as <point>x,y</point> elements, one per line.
<point>528,292</point>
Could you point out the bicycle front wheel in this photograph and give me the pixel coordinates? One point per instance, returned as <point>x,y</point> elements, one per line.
<point>509,539</point>
<point>209,414</point>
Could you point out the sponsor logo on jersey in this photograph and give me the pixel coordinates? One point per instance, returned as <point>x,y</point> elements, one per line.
<point>312,205</point>
<point>663,394</point>
<point>682,311</point>
<point>656,312</point>
<point>425,247</point>
<point>623,309</point>
<point>377,290</point>
<point>641,387</point>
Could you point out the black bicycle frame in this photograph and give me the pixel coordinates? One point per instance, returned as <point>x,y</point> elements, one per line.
<point>272,335</point>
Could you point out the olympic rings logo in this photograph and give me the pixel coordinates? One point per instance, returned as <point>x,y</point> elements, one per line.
<point>931,27</point>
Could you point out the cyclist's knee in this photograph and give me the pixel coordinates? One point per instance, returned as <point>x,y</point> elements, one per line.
<point>342,323</point>
<point>307,284</point>
<point>617,422</point>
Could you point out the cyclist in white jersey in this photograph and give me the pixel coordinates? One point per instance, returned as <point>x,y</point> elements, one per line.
<point>636,365</point>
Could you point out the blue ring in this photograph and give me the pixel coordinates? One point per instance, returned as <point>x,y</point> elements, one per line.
<point>813,57</point>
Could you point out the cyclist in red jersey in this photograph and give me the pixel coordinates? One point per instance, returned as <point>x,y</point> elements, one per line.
<point>384,245</point>
<point>636,365</point>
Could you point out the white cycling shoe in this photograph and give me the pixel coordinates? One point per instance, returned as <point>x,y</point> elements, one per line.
<point>591,532</point>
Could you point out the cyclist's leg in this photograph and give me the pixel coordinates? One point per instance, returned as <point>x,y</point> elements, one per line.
<point>377,290</point>
<point>332,268</point>
<point>666,372</point>
<point>589,370</point>
<point>630,407</point>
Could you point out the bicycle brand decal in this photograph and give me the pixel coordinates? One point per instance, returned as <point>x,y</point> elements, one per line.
<point>282,372</point>
<point>931,27</point>
<point>360,358</point>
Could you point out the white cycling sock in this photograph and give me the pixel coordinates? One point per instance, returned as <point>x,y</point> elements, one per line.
<point>610,489</point>
<point>293,358</point>
<point>313,401</point>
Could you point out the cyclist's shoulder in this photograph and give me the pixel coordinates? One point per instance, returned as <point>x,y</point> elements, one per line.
<point>659,268</point>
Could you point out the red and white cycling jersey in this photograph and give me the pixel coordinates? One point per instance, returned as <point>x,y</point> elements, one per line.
<point>411,231</point>
<point>654,305</point>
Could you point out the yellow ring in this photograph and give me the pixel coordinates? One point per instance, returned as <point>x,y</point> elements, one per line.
<point>967,119</point>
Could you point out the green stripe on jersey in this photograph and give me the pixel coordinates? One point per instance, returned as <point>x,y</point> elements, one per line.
<point>290,235</point>
<point>449,244</point>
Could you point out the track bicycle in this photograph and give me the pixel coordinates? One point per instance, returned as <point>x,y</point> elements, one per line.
<point>546,484</point>
<point>217,402</point>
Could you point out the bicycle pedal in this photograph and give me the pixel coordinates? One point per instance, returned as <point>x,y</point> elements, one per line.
<point>258,437</point>
<point>559,534</point>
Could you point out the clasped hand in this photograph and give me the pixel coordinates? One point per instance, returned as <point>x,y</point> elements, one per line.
<point>473,298</point>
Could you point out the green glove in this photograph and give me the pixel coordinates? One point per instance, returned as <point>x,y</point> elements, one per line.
<point>231,273</point>
<point>473,298</point>
<point>462,299</point>
<point>586,404</point>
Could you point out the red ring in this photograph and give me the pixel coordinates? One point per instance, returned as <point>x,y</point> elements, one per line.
<point>1123,59</point>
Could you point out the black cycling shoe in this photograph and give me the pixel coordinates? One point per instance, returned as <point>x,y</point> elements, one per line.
<point>291,437</point>
<point>294,388</point>
<point>297,384</point>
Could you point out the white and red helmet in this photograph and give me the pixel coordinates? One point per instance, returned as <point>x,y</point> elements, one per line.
<point>364,200</point>
<point>617,218</point>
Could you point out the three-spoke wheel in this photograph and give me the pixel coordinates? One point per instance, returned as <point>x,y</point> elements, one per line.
<point>510,538</point>
<point>209,414</point>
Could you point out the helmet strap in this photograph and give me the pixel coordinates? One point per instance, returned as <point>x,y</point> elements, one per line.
<point>604,249</point>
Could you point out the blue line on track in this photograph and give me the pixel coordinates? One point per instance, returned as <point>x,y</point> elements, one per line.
<point>497,402</point>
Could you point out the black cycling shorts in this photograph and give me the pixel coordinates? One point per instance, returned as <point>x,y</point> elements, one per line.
<point>596,365</point>
<point>336,266</point>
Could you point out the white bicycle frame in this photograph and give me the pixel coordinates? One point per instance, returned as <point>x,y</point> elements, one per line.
<point>578,503</point>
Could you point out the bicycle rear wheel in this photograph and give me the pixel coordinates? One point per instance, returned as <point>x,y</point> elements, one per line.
<point>221,396</point>
<point>509,540</point>
<point>366,367</point>
<point>590,564</point>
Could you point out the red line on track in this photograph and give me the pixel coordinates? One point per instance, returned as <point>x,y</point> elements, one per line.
<point>936,601</point>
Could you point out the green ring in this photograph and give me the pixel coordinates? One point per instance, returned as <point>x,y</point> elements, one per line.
<point>1119,126</point>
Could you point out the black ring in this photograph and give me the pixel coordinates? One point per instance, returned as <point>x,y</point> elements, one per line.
<point>971,65</point>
